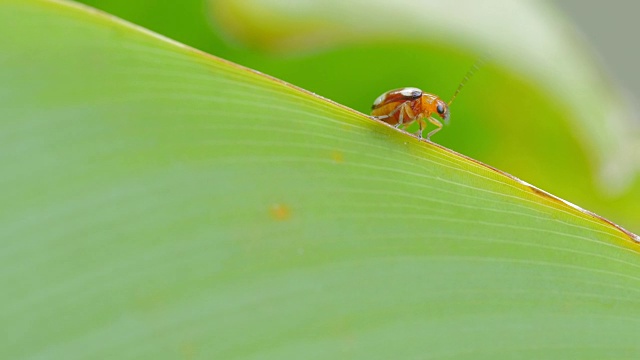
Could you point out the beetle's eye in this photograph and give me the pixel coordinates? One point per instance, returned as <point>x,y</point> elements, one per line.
<point>440,109</point>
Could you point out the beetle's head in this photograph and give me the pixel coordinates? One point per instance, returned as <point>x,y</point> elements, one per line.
<point>443,110</point>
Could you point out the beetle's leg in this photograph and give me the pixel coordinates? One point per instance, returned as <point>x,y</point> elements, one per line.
<point>393,112</point>
<point>400,107</point>
<point>436,123</point>
<point>406,109</point>
<point>422,124</point>
<point>401,117</point>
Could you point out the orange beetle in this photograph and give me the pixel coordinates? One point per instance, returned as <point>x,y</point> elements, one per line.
<point>403,106</point>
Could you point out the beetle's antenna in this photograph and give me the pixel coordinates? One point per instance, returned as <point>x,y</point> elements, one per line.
<point>469,74</point>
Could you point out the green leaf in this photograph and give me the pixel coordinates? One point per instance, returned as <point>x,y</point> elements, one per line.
<point>540,109</point>
<point>159,202</point>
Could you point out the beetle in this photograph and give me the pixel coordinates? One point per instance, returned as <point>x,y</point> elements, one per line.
<point>405,105</point>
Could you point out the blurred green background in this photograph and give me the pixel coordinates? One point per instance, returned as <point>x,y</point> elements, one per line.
<point>542,108</point>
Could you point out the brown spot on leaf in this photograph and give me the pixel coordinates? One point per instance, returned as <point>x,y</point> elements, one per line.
<point>188,350</point>
<point>280,212</point>
<point>542,193</point>
<point>337,156</point>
